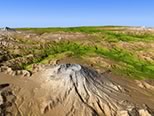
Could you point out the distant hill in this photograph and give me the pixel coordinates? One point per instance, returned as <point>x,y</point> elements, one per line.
<point>7,29</point>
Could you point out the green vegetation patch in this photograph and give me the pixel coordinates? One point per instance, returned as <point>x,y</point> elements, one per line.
<point>127,62</point>
<point>109,35</point>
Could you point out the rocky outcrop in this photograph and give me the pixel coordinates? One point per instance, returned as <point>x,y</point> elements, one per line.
<point>16,63</point>
<point>144,85</point>
<point>6,100</point>
<point>8,70</point>
<point>7,29</point>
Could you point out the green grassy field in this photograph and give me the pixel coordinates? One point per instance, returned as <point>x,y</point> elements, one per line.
<point>104,42</point>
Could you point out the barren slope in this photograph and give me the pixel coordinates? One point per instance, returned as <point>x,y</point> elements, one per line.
<point>71,89</point>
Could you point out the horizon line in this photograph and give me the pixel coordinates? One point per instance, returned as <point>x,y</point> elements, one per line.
<point>80,26</point>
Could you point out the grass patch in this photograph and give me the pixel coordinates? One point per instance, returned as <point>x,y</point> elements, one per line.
<point>116,37</point>
<point>137,67</point>
<point>130,64</point>
<point>56,29</point>
<point>109,35</point>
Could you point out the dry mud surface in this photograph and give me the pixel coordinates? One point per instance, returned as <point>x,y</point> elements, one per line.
<point>74,90</point>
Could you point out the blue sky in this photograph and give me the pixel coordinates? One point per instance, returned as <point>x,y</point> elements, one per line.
<point>57,13</point>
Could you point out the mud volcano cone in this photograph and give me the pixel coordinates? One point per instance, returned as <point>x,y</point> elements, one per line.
<point>79,91</point>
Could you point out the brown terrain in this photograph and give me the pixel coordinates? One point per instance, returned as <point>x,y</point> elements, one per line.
<point>42,74</point>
